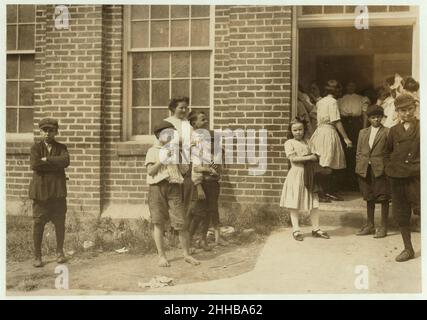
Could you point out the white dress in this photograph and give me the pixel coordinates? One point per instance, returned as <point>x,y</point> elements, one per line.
<point>325,141</point>
<point>294,194</point>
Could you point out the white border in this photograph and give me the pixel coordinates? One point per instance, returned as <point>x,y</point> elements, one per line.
<point>423,94</point>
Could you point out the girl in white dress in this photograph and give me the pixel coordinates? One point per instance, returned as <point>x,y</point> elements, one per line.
<point>325,141</point>
<point>297,196</point>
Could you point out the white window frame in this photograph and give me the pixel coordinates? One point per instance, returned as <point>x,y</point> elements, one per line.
<point>27,136</point>
<point>127,72</point>
<point>376,19</point>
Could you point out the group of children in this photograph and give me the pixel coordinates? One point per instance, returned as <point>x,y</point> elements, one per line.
<point>387,166</point>
<point>185,192</point>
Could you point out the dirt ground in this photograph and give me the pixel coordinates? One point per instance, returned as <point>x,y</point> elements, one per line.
<point>123,272</point>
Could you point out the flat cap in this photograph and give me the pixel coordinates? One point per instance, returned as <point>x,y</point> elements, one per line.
<point>48,123</point>
<point>404,100</point>
<point>161,126</point>
<point>374,110</point>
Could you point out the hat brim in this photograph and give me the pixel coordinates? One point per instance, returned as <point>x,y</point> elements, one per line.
<point>48,126</point>
<point>404,105</point>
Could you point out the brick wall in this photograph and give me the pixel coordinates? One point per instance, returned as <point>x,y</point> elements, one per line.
<point>253,90</point>
<point>79,81</point>
<point>68,87</point>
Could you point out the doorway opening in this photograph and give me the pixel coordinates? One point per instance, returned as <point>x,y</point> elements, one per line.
<point>366,57</point>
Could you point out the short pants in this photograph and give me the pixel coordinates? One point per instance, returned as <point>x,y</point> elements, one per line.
<point>165,203</point>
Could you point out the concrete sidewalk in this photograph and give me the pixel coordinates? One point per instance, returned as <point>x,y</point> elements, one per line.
<point>286,266</point>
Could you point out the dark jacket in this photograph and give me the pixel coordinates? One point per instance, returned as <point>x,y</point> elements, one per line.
<point>402,156</point>
<point>48,176</point>
<point>374,156</point>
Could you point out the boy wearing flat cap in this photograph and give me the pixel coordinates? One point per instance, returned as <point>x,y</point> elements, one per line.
<point>402,165</point>
<point>373,182</point>
<point>48,159</point>
<point>165,193</point>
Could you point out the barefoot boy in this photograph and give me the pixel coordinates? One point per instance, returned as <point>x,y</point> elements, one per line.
<point>48,189</point>
<point>402,165</point>
<point>165,194</point>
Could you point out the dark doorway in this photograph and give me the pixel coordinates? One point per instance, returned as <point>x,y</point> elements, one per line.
<point>346,68</point>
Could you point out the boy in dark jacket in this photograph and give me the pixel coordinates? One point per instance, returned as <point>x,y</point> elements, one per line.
<point>402,165</point>
<point>48,190</point>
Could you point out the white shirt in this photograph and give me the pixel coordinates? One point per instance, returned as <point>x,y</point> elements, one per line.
<point>49,147</point>
<point>390,115</point>
<point>352,105</point>
<point>372,136</point>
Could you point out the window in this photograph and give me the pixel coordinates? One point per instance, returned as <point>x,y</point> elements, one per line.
<point>309,10</point>
<point>20,68</point>
<point>169,53</point>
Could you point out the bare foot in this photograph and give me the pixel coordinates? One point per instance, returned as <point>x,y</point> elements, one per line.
<point>163,262</point>
<point>191,260</point>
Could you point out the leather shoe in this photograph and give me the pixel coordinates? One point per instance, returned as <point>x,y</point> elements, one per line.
<point>61,258</point>
<point>38,262</point>
<point>298,236</point>
<point>320,234</point>
<point>366,230</point>
<point>334,197</point>
<point>380,233</point>
<point>405,255</point>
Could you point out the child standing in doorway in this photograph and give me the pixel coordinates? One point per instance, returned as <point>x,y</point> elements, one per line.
<point>298,194</point>
<point>373,182</point>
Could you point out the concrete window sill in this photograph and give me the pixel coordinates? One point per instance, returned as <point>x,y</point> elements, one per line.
<point>22,147</point>
<point>132,148</point>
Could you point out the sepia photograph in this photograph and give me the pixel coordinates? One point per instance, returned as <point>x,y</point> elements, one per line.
<point>198,148</point>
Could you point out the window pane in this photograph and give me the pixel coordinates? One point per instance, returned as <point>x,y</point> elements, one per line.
<point>350,9</point>
<point>180,64</point>
<point>27,13</point>
<point>179,37</point>
<point>139,12</point>
<point>199,11</point>
<point>334,9</point>
<point>160,93</point>
<point>141,65</point>
<point>27,66</point>
<point>377,8</point>
<point>140,92</point>
<point>159,12</point>
<point>157,115</point>
<point>139,35</point>
<point>200,64</point>
<point>26,90</point>
<point>179,11</point>
<point>140,121</point>
<point>12,67</point>
<point>398,8</point>
<point>160,63</point>
<point>311,9</point>
<point>26,120</point>
<point>199,32</point>
<point>11,13</point>
<point>26,37</point>
<point>11,116</point>
<point>200,93</point>
<point>11,37</point>
<point>159,34</point>
<point>180,88</point>
<point>12,93</point>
